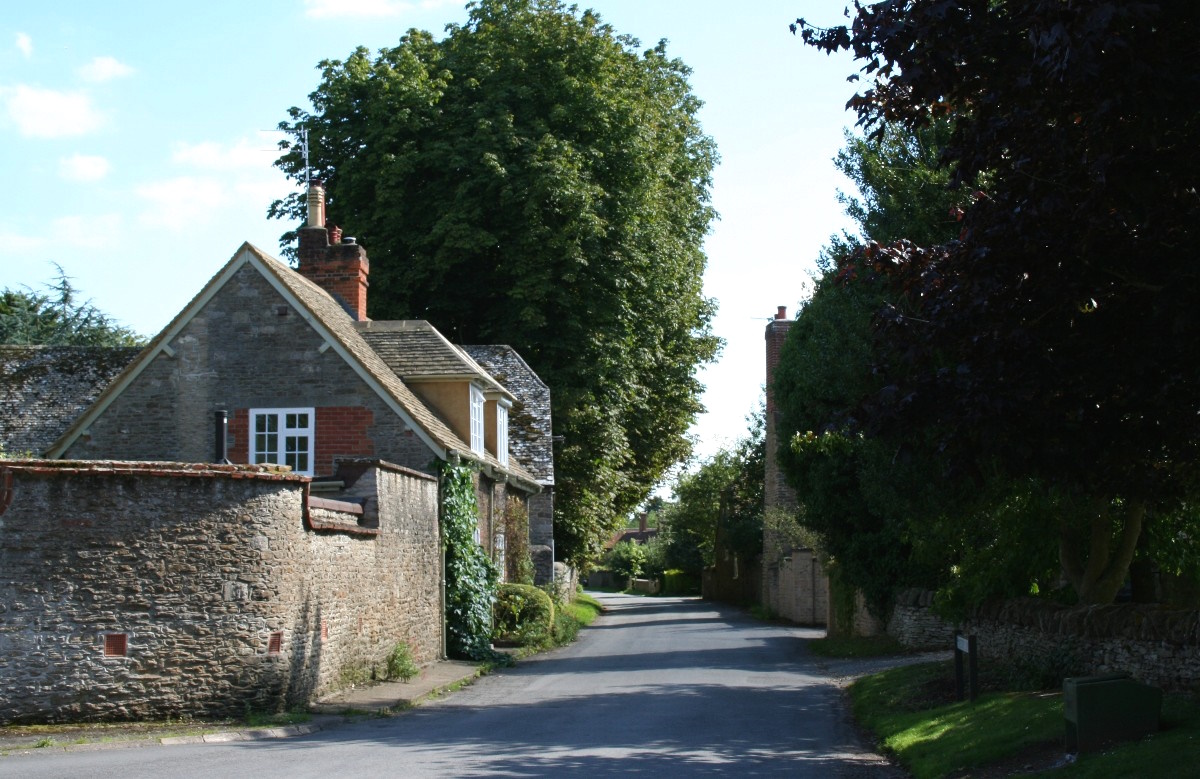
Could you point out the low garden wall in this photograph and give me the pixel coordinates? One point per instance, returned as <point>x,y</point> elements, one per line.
<point>1156,645</point>
<point>149,590</point>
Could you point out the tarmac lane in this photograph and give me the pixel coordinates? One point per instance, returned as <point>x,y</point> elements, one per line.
<point>656,687</point>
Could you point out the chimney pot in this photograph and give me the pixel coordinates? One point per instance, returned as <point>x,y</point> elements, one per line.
<point>781,313</point>
<point>316,204</point>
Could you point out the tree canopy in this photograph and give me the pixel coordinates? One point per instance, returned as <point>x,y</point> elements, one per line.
<point>1053,341</point>
<point>57,318</point>
<point>536,179</point>
<point>720,501</point>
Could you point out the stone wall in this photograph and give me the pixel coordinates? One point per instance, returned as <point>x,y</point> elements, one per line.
<point>224,588</point>
<point>914,624</point>
<point>795,587</point>
<point>1156,645</point>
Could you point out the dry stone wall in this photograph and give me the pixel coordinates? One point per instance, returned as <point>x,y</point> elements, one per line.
<point>132,590</point>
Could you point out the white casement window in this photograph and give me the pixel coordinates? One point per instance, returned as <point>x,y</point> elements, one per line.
<point>502,433</point>
<point>283,436</point>
<point>476,419</point>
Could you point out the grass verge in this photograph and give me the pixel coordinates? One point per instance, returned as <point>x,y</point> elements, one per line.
<point>856,646</point>
<point>912,713</point>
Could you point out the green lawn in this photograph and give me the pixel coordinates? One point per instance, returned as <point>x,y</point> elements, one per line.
<point>912,712</point>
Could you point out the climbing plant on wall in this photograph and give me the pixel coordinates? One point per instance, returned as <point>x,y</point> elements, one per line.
<point>471,578</point>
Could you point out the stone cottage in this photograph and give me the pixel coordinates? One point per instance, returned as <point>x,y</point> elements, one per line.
<point>306,379</point>
<point>247,513</point>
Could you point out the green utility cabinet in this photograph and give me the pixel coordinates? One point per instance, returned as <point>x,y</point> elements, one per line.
<point>1113,707</point>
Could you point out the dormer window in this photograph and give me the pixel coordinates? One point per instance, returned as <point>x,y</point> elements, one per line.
<point>502,433</point>
<point>476,419</point>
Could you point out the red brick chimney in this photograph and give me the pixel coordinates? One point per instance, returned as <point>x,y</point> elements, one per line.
<point>339,268</point>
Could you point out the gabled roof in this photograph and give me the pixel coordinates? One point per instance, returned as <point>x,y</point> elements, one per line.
<point>416,351</point>
<point>531,437</point>
<point>42,388</point>
<point>330,321</point>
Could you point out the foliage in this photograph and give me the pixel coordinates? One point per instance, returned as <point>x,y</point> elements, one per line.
<point>677,582</point>
<point>534,179</point>
<point>523,613</point>
<point>579,613</point>
<point>56,318</point>
<point>626,559</point>
<point>400,663</point>
<point>1051,343</point>
<point>518,560</point>
<point>908,711</point>
<point>720,503</point>
<point>951,739</point>
<point>471,577</point>
<point>559,591</point>
<point>856,646</point>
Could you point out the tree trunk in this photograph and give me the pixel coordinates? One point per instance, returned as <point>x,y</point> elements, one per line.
<point>1099,578</point>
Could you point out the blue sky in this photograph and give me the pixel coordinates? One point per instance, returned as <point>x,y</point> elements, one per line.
<point>136,142</point>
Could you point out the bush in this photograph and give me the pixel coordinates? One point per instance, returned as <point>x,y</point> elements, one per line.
<point>626,559</point>
<point>677,582</point>
<point>523,613</point>
<point>400,664</point>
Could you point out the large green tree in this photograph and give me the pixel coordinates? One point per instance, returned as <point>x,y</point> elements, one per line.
<point>1053,343</point>
<point>536,179</point>
<point>862,496</point>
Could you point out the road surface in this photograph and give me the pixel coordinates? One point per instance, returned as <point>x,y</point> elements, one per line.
<point>660,687</point>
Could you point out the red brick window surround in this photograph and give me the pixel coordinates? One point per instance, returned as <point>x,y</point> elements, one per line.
<point>340,431</point>
<point>116,645</point>
<point>275,643</point>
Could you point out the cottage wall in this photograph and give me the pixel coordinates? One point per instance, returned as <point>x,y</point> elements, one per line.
<point>225,595</point>
<point>247,348</point>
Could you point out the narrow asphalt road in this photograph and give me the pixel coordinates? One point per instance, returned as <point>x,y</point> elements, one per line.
<point>658,686</point>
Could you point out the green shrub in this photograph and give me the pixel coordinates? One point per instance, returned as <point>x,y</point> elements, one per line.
<point>400,663</point>
<point>523,613</point>
<point>677,582</point>
<point>626,559</point>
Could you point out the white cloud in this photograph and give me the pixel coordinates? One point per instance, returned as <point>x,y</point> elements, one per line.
<point>83,167</point>
<point>363,9</point>
<point>180,202</point>
<point>46,113</point>
<point>17,243</point>
<point>88,232</point>
<point>258,154</point>
<point>104,69</point>
<point>25,44</point>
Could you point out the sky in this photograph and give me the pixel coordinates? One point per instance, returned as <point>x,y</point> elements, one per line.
<point>137,142</point>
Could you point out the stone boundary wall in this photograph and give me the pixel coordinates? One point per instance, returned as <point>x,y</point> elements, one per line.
<point>795,587</point>
<point>151,590</point>
<point>1156,645</point>
<point>913,623</point>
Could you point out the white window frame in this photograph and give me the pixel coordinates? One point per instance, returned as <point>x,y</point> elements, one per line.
<point>272,444</point>
<point>477,402</point>
<point>502,433</point>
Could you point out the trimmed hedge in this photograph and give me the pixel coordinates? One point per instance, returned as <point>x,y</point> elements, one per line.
<point>523,613</point>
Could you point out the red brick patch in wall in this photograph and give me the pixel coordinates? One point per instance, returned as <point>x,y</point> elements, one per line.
<point>342,430</point>
<point>275,643</point>
<point>238,430</point>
